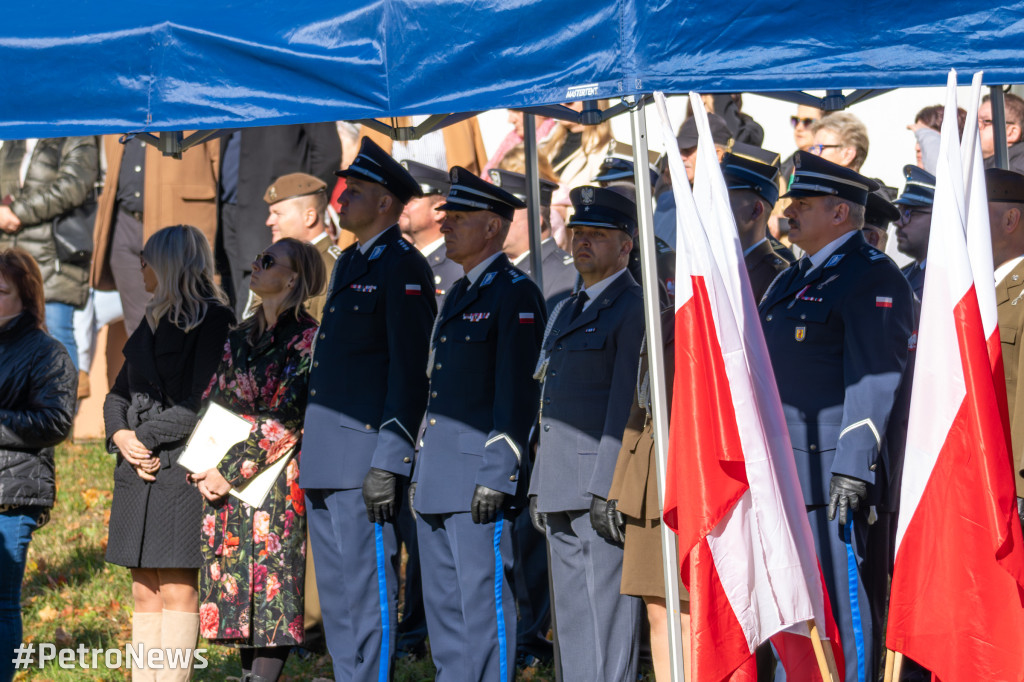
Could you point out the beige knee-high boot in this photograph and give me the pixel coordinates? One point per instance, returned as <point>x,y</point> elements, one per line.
<point>179,637</point>
<point>146,628</point>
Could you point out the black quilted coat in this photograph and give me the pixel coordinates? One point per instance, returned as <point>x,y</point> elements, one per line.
<point>38,384</point>
<point>158,395</point>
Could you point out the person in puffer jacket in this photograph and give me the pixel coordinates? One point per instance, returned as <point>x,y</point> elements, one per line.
<point>38,383</point>
<point>41,180</point>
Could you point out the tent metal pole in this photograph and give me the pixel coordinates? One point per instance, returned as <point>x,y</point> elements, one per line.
<point>999,126</point>
<point>656,363</point>
<point>533,197</point>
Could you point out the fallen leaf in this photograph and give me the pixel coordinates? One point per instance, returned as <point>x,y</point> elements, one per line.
<point>47,614</point>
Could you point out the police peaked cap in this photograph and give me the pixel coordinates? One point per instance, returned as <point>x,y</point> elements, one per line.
<point>879,211</point>
<point>470,193</point>
<point>515,183</point>
<point>813,176</point>
<point>431,180</point>
<point>753,168</point>
<point>373,164</point>
<point>604,208</point>
<point>920,187</point>
<point>615,168</point>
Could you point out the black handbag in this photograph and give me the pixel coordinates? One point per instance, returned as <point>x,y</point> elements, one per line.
<point>72,232</point>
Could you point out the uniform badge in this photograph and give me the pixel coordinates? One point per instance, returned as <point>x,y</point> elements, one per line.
<point>455,175</point>
<point>883,301</point>
<point>526,318</point>
<point>834,260</point>
<point>413,290</point>
<point>590,330</point>
<point>363,288</point>
<point>830,279</point>
<point>377,251</point>
<point>801,333</point>
<point>912,342</point>
<point>272,192</point>
<point>587,196</point>
<point>488,278</point>
<point>475,317</point>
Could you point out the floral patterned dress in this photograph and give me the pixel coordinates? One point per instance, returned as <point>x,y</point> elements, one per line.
<point>251,584</point>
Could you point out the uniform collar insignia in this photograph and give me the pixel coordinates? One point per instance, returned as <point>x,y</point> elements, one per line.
<point>377,251</point>
<point>488,278</point>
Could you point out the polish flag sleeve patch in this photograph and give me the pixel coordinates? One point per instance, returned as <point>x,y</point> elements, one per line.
<point>526,318</point>
<point>413,290</point>
<point>883,301</point>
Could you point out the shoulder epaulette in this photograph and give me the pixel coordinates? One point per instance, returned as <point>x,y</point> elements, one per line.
<point>403,245</point>
<point>873,254</point>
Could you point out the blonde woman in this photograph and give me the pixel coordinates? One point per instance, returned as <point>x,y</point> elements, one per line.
<point>149,414</point>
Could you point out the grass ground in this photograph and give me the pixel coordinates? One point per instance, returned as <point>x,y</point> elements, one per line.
<point>71,596</point>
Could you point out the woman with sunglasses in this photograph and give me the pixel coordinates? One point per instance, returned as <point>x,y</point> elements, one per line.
<point>252,580</point>
<point>149,414</point>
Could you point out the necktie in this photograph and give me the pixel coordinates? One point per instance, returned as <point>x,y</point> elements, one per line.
<point>805,266</point>
<point>577,307</point>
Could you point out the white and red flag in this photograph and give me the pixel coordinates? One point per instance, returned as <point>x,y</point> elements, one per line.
<point>957,599</point>
<point>732,492</point>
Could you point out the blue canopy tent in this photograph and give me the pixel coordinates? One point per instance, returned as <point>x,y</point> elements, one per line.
<point>75,68</point>
<point>87,68</point>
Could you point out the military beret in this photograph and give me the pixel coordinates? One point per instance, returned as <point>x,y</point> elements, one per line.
<point>920,187</point>
<point>744,168</point>
<point>293,185</point>
<point>1004,186</point>
<point>515,183</point>
<point>471,193</point>
<point>373,164</point>
<point>431,180</point>
<point>814,176</point>
<point>720,132</point>
<point>604,208</point>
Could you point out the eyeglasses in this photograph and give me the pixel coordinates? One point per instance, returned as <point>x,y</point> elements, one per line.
<point>909,213</point>
<point>265,261</point>
<point>986,122</point>
<point>796,120</point>
<point>817,149</point>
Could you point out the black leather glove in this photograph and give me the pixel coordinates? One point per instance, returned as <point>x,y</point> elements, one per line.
<point>380,495</point>
<point>607,520</point>
<point>486,504</point>
<point>538,518</point>
<point>845,493</point>
<point>412,499</point>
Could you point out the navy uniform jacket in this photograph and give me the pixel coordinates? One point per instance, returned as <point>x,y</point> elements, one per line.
<point>446,272</point>
<point>560,276</point>
<point>915,275</point>
<point>589,384</point>
<point>763,264</point>
<point>483,397</point>
<point>367,388</point>
<point>838,340</point>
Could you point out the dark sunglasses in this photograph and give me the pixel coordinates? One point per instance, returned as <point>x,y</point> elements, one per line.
<point>265,261</point>
<point>796,120</point>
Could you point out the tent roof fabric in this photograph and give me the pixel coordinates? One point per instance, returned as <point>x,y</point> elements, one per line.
<point>89,67</point>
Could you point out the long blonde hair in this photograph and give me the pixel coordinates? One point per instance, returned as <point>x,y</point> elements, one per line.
<point>593,141</point>
<point>182,262</point>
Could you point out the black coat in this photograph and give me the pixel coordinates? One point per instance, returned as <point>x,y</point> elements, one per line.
<point>157,395</point>
<point>37,405</point>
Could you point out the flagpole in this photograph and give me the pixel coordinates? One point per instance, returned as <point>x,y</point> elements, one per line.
<point>893,665</point>
<point>656,362</point>
<point>824,654</point>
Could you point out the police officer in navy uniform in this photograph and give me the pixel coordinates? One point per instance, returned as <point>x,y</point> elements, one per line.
<point>472,467</point>
<point>367,395</point>
<point>915,223</point>
<point>589,369</point>
<point>421,223</point>
<point>838,324</point>
<point>752,176</point>
<point>559,275</point>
